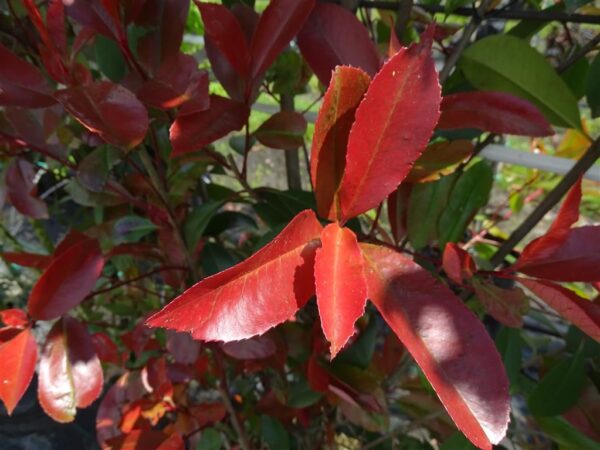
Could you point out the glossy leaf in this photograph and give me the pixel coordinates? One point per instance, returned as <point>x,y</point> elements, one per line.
<point>580,312</point>
<point>21,84</point>
<point>438,159</point>
<point>507,306</point>
<point>457,263</point>
<point>393,124</point>
<point>66,281</point>
<point>253,296</point>
<point>496,112</point>
<point>284,130</point>
<point>21,190</point>
<point>497,63</point>
<point>70,374</point>
<point>191,132</point>
<point>330,138</point>
<point>18,353</point>
<point>446,340</point>
<point>333,36</point>
<point>340,285</point>
<point>109,110</point>
<point>278,24</point>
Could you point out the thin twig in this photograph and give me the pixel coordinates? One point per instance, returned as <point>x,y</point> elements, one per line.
<point>591,44</point>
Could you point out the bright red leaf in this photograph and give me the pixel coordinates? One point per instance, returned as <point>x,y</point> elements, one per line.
<point>333,36</point>
<point>457,263</point>
<point>70,374</point>
<point>14,317</point>
<point>340,285</point>
<point>330,139</point>
<point>18,353</point>
<point>284,130</point>
<point>22,192</point>
<point>66,281</point>
<point>254,295</point>
<point>193,131</point>
<point>393,125</point>
<point>108,109</point>
<point>496,112</point>
<point>446,340</point>
<point>105,348</point>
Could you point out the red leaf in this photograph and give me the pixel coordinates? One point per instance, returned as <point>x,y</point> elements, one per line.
<point>333,36</point>
<point>581,312</point>
<point>18,353</point>
<point>193,131</point>
<point>22,192</point>
<point>397,205</point>
<point>14,317</point>
<point>446,340</point>
<point>254,295</point>
<point>108,109</point>
<point>55,24</point>
<point>208,413</point>
<point>457,263</point>
<point>277,26</point>
<point>392,127</point>
<point>105,348</point>
<point>225,32</point>
<point>317,376</point>
<point>284,130</point>
<point>66,281</point>
<point>496,112</point>
<point>330,139</point>
<point>182,347</point>
<point>258,347</point>
<point>25,259</point>
<point>340,285</point>
<point>507,306</point>
<point>21,84</point>
<point>438,159</point>
<point>146,439</point>
<point>70,374</point>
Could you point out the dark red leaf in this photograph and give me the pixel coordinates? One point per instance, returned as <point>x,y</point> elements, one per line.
<point>507,306</point>
<point>105,348</point>
<point>457,263</point>
<point>21,190</point>
<point>446,340</point>
<point>108,109</point>
<point>254,295</point>
<point>278,25</point>
<point>55,24</point>
<point>397,205</point>
<point>393,125</point>
<point>340,285</point>
<point>317,376</point>
<point>18,353</point>
<point>193,131</point>
<point>258,347</point>
<point>146,439</point>
<point>333,36</point>
<point>330,139</point>
<point>580,312</point>
<point>14,317</point>
<point>21,84</point>
<point>208,413</point>
<point>70,374</point>
<point>284,130</point>
<point>182,347</point>
<point>66,281</point>
<point>496,112</point>
<point>25,259</point>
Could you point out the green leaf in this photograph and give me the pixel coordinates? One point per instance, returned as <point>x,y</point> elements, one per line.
<point>567,437</point>
<point>457,442</point>
<point>560,388</point>
<point>508,64</point>
<point>576,77</point>
<point>229,220</point>
<point>361,351</point>
<point>93,170</point>
<point>280,207</point>
<point>197,221</point>
<point>592,92</point>
<point>470,193</point>
<point>510,346</point>
<point>210,439</point>
<point>109,58</point>
<point>132,229</point>
<point>301,395</point>
<point>426,204</point>
<point>215,259</point>
<point>274,434</point>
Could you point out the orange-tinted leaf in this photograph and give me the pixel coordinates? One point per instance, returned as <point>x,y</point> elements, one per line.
<point>507,306</point>
<point>25,259</point>
<point>333,36</point>
<point>393,124</point>
<point>144,440</point>
<point>438,159</point>
<point>70,374</point>
<point>108,109</point>
<point>21,84</point>
<point>340,285</point>
<point>14,317</point>
<point>18,353</point>
<point>446,340</point>
<point>253,296</point>
<point>191,132</point>
<point>21,190</point>
<point>279,23</point>
<point>457,263</point>
<point>66,281</point>
<point>581,312</point>
<point>328,154</point>
<point>284,130</point>
<point>496,112</point>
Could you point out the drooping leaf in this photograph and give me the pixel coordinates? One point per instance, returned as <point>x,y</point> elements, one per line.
<point>340,285</point>
<point>108,109</point>
<point>21,190</point>
<point>496,112</point>
<point>497,63</point>
<point>507,306</point>
<point>438,159</point>
<point>592,92</point>
<point>580,312</point>
<point>70,374</point>
<point>447,341</point>
<point>457,263</point>
<point>284,130</point>
<point>191,132</point>
<point>66,281</point>
<point>25,259</point>
<point>330,139</point>
<point>18,353</point>
<point>253,296</point>
<point>393,124</point>
<point>333,36</point>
